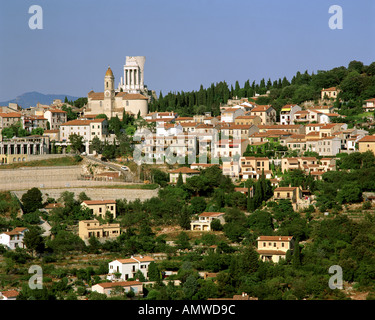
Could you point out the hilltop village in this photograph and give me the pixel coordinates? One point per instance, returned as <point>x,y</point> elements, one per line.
<point>254,191</point>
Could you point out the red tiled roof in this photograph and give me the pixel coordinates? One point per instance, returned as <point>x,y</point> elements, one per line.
<point>95,202</point>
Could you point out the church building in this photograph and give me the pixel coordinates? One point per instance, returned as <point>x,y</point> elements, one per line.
<point>130,96</point>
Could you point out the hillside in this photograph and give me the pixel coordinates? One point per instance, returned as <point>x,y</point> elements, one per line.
<point>357,82</point>
<point>29,99</point>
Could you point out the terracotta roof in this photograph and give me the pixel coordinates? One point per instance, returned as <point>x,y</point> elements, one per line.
<point>135,259</point>
<point>51,131</point>
<point>134,96</point>
<point>119,284</point>
<point>184,170</point>
<point>10,115</point>
<point>54,110</point>
<point>81,122</point>
<point>231,110</point>
<point>246,117</point>
<point>261,108</point>
<point>96,95</point>
<point>211,214</point>
<point>367,139</point>
<point>10,293</point>
<point>330,89</point>
<point>279,126</point>
<point>274,238</point>
<point>285,188</point>
<point>95,202</point>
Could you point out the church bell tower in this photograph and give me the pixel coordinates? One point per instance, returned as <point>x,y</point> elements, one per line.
<point>109,92</point>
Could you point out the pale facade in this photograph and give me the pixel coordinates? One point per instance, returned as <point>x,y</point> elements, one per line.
<point>127,268</point>
<point>114,103</point>
<point>13,239</point>
<point>204,221</point>
<point>230,114</point>
<point>9,118</point>
<point>287,113</point>
<point>369,105</point>
<point>329,93</point>
<point>133,79</point>
<point>88,129</point>
<point>100,207</point>
<point>274,248</point>
<point>230,147</point>
<point>108,288</point>
<point>92,228</point>
<point>185,172</point>
<point>367,143</point>
<point>266,113</point>
<point>55,117</point>
<point>249,120</point>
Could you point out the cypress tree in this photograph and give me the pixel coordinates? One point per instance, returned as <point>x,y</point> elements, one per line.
<point>180,181</point>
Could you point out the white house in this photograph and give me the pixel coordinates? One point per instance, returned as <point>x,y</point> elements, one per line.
<point>107,287</point>
<point>88,129</point>
<point>13,239</point>
<point>229,114</point>
<point>287,113</point>
<point>205,219</point>
<point>128,267</point>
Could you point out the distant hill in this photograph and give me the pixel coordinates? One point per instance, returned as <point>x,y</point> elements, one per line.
<point>30,99</point>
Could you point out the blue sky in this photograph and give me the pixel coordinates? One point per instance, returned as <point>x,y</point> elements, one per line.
<point>186,43</point>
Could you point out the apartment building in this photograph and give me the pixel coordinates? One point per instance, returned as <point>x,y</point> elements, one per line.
<point>9,118</point>
<point>230,114</point>
<point>55,117</point>
<point>266,113</point>
<point>228,148</point>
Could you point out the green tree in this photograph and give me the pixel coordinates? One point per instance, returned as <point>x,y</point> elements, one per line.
<point>180,181</point>
<point>32,200</point>
<point>183,241</point>
<point>190,287</point>
<point>76,142</point>
<point>154,273</point>
<point>34,241</point>
<point>96,144</point>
